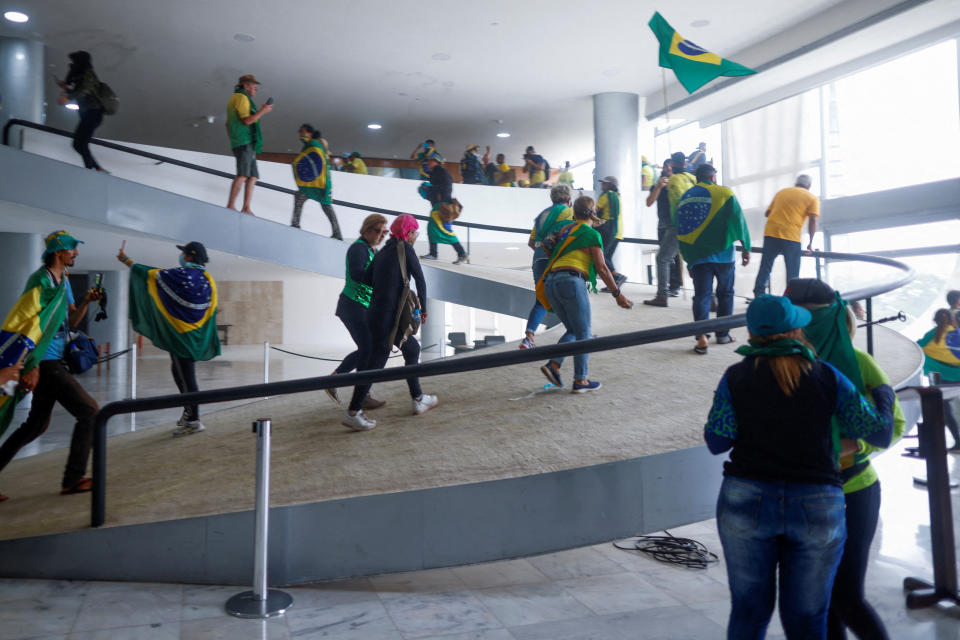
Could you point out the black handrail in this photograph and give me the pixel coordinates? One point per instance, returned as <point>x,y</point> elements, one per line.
<point>427,369</point>
<point>442,367</point>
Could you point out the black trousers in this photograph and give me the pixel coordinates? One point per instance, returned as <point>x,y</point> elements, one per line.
<point>353,315</point>
<point>89,121</point>
<point>456,247</point>
<point>56,384</point>
<point>185,375</point>
<point>379,353</point>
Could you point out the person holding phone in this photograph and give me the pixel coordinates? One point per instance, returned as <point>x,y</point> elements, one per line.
<point>246,141</point>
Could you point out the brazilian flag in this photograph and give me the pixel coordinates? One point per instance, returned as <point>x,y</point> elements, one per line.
<point>693,65</point>
<point>28,328</point>
<point>709,220</point>
<point>311,171</point>
<point>176,309</point>
<point>942,357</point>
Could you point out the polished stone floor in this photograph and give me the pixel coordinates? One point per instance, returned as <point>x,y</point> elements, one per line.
<point>597,592</point>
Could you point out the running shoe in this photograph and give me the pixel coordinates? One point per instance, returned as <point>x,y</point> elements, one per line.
<point>462,260</point>
<point>527,343</point>
<point>424,403</point>
<point>190,427</point>
<point>358,421</point>
<point>584,387</point>
<point>551,374</point>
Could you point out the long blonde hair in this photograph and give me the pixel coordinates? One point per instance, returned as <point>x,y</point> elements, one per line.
<point>788,370</point>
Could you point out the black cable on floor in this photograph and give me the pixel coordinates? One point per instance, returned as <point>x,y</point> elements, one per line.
<point>685,552</point>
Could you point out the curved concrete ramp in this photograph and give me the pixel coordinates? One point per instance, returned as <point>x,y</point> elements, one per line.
<point>501,468</point>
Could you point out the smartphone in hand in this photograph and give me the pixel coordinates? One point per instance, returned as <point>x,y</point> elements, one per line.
<point>270,100</point>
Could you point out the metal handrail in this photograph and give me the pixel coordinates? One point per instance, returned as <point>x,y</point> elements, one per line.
<point>437,367</point>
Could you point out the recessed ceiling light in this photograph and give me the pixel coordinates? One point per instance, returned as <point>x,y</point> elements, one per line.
<point>73,106</point>
<point>503,134</point>
<point>244,37</point>
<point>441,56</point>
<point>700,23</point>
<point>16,16</point>
<point>512,248</point>
<point>374,125</point>
<point>20,55</point>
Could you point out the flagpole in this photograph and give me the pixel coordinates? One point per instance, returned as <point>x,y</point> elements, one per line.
<point>666,109</point>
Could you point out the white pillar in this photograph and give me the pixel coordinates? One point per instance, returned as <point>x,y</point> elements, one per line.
<point>21,82</point>
<point>616,118</point>
<point>115,329</point>
<point>434,331</point>
<point>20,255</point>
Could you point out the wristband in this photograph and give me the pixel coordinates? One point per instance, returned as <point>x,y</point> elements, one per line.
<point>615,294</point>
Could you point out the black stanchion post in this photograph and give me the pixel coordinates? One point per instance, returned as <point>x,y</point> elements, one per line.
<point>816,262</point>
<point>933,446</point>
<point>870,326</point>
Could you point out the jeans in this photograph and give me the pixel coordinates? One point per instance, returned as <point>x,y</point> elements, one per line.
<point>608,232</point>
<point>567,294</point>
<point>56,384</point>
<point>538,311</point>
<point>456,247</point>
<point>185,376</point>
<point>353,315</point>
<point>794,527</point>
<point>703,275</point>
<point>773,247</point>
<point>848,608</point>
<point>89,121</point>
<point>666,258</point>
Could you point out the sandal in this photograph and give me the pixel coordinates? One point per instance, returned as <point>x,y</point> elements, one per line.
<point>700,350</point>
<point>725,339</point>
<point>81,486</point>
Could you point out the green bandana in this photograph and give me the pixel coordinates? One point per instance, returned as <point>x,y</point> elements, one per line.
<point>782,347</point>
<point>829,335</point>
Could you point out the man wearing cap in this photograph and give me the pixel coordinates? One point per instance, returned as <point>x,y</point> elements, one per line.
<point>784,230</point>
<point>353,163</point>
<point>36,327</point>
<point>177,310</point>
<point>440,194</point>
<point>243,129</point>
<point>709,221</point>
<point>470,167</point>
<point>611,229</point>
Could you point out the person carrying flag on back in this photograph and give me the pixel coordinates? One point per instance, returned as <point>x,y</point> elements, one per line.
<point>709,221</point>
<point>177,309</point>
<point>444,209</point>
<point>311,171</point>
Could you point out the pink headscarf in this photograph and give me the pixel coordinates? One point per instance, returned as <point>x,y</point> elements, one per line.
<point>403,225</point>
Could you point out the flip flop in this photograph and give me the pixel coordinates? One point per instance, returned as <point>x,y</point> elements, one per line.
<point>700,350</point>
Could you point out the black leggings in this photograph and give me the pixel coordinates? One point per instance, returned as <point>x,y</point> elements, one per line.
<point>379,353</point>
<point>456,247</point>
<point>89,121</point>
<point>353,315</point>
<point>185,375</point>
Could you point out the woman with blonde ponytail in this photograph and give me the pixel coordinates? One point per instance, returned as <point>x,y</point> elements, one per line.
<point>781,506</point>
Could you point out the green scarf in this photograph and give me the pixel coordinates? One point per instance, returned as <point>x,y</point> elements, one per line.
<point>241,134</point>
<point>777,348</point>
<point>828,334</point>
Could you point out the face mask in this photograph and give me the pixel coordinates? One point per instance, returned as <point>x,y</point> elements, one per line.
<point>305,138</point>
<point>183,261</point>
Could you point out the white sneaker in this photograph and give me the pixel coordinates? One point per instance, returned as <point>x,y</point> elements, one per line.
<point>189,427</point>
<point>358,421</point>
<point>183,420</point>
<point>424,404</point>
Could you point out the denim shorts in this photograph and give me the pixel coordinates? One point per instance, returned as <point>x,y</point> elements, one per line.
<point>246,161</point>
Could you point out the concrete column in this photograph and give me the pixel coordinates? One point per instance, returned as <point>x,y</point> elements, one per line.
<point>616,118</point>
<point>434,331</point>
<point>115,329</point>
<point>21,82</point>
<point>20,255</point>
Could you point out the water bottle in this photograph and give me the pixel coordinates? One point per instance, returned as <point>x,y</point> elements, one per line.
<point>416,315</point>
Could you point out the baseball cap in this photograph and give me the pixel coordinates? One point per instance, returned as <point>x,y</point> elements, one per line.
<point>610,180</point>
<point>769,315</point>
<point>197,250</point>
<point>809,291</point>
<point>59,241</point>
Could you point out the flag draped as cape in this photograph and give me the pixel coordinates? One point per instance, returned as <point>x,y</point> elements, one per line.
<point>29,327</point>
<point>176,309</point>
<point>942,357</point>
<point>570,236</point>
<point>311,171</point>
<point>709,220</point>
<point>693,65</point>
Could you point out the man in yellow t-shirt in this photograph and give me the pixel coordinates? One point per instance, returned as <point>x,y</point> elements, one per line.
<point>354,163</point>
<point>784,230</point>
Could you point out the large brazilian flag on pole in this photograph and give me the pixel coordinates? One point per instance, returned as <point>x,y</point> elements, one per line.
<point>709,220</point>
<point>693,65</point>
<point>176,309</point>
<point>28,329</point>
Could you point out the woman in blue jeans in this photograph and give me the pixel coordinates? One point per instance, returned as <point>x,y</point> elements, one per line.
<point>576,259</point>
<point>781,506</point>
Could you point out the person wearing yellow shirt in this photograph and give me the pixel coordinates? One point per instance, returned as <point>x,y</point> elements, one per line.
<point>566,177</point>
<point>608,208</point>
<point>784,230</point>
<point>535,166</point>
<point>355,164</point>
<point>680,181</point>
<point>243,128</point>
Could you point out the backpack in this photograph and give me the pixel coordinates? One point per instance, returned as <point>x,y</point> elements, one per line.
<point>546,170</point>
<point>107,98</point>
<point>407,321</point>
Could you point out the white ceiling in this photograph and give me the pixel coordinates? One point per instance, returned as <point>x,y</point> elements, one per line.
<point>453,71</point>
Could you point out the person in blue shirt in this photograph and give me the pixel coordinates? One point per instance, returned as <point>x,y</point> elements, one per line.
<point>781,505</point>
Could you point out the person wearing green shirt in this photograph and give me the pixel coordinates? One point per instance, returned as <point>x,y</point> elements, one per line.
<point>830,332</point>
<point>243,129</point>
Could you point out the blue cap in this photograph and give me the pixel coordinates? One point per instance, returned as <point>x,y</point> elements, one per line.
<point>770,315</point>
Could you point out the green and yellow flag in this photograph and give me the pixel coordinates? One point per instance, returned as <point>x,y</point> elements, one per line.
<point>693,65</point>
<point>28,328</point>
<point>709,220</point>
